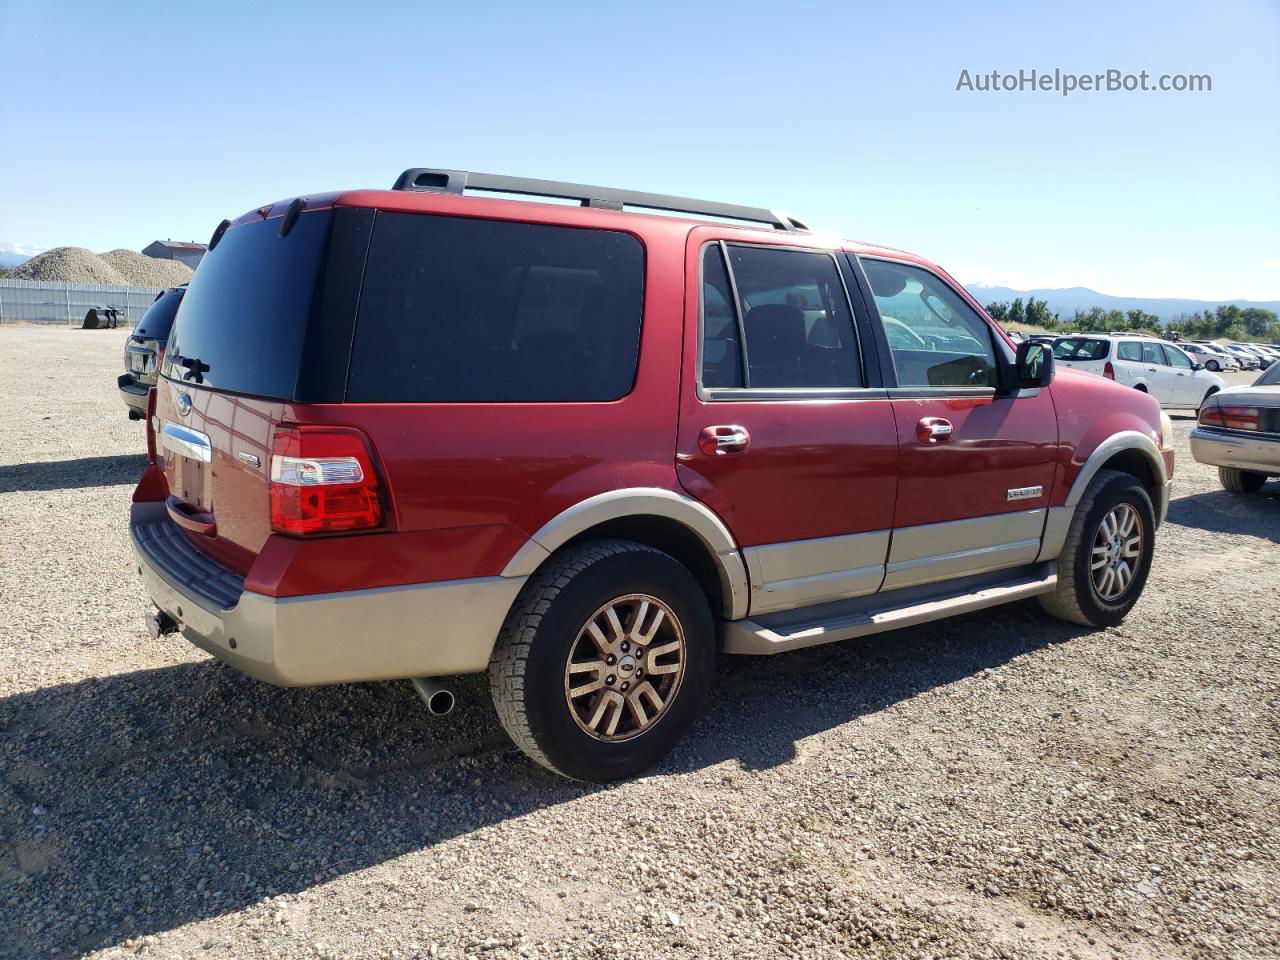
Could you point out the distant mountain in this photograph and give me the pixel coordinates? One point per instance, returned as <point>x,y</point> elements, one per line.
<point>1065,302</point>
<point>8,259</point>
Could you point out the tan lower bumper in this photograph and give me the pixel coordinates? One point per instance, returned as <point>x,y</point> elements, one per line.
<point>1259,454</point>
<point>420,630</point>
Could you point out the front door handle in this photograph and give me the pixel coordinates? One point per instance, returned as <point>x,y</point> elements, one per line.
<point>934,430</point>
<point>722,440</point>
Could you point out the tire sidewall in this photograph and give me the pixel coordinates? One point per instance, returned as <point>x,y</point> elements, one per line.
<point>570,750</point>
<point>1117,490</point>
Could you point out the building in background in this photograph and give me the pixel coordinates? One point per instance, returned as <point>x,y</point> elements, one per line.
<point>188,252</point>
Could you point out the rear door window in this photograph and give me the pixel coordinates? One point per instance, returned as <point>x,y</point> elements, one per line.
<point>792,311</point>
<point>1177,358</point>
<point>459,310</point>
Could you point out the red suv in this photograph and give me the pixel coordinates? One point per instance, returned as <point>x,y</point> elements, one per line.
<point>584,447</point>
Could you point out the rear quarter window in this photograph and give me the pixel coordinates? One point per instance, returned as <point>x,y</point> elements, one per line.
<point>1129,350</point>
<point>458,310</point>
<point>1081,349</point>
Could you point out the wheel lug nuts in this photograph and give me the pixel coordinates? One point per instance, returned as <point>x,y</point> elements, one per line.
<point>609,679</point>
<point>639,674</point>
<point>611,659</point>
<point>625,647</point>
<point>625,686</point>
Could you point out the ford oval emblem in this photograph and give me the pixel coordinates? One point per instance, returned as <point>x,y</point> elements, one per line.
<point>184,404</point>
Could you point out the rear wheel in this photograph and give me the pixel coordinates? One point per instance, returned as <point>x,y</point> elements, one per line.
<point>1241,481</point>
<point>604,661</point>
<point>1107,555</point>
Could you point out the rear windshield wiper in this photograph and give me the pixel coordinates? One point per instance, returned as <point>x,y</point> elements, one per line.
<point>193,369</point>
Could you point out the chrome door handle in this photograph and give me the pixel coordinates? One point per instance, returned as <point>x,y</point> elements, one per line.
<point>934,430</point>
<point>724,439</point>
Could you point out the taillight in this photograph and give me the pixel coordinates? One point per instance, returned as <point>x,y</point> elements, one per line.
<point>1109,371</point>
<point>1233,418</point>
<point>151,426</point>
<point>323,480</point>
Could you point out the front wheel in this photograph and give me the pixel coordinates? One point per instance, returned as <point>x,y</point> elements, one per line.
<point>1214,366</point>
<point>1241,481</point>
<point>1107,556</point>
<point>604,661</point>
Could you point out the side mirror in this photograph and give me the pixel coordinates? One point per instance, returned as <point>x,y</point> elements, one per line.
<point>1034,365</point>
<point>1197,366</point>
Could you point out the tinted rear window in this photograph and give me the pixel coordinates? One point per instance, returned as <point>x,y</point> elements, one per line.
<point>158,320</point>
<point>1075,349</point>
<point>244,317</point>
<point>464,311</point>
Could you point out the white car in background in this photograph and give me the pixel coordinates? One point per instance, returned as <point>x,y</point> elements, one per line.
<point>1248,359</point>
<point>1144,363</point>
<point>1214,359</point>
<point>1239,433</point>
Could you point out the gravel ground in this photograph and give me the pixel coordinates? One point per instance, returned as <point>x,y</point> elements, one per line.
<point>998,785</point>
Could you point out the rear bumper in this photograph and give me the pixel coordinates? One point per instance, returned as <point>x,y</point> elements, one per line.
<point>133,393</point>
<point>418,630</point>
<point>1220,449</point>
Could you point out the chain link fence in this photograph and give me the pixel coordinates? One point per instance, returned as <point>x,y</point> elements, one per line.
<point>42,301</point>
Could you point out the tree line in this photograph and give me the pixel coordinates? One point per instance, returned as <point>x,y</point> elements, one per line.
<point>1223,322</point>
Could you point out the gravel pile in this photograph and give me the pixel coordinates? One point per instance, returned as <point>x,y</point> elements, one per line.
<point>143,271</point>
<point>996,786</point>
<point>117,267</point>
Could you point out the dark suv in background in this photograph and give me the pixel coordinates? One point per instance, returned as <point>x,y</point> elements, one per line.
<point>145,349</point>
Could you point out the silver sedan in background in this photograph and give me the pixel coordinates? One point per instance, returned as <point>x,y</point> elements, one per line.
<point>1239,433</point>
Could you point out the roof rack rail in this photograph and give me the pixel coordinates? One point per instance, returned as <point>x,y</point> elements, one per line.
<point>427,179</point>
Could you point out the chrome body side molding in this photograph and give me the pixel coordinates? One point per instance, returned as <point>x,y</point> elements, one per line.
<point>635,502</point>
<point>886,611</point>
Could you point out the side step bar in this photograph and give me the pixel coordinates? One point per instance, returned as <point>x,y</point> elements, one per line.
<point>763,638</point>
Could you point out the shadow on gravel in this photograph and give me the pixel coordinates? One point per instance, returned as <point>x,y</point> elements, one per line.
<point>65,474</point>
<point>1254,514</point>
<point>136,803</point>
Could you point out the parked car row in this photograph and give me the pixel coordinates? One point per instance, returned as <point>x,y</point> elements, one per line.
<point>1175,378</point>
<point>144,350</point>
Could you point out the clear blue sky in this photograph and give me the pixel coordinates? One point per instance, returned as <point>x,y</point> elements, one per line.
<point>124,122</point>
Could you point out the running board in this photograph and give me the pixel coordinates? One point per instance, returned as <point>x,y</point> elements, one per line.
<point>757,638</point>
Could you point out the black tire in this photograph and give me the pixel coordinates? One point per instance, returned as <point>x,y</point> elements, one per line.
<point>1214,366</point>
<point>1075,598</point>
<point>1241,481</point>
<point>527,674</point>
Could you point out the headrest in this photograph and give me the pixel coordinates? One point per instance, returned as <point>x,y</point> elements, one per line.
<point>776,327</point>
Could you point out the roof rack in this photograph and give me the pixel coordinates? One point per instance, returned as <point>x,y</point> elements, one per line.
<point>427,179</point>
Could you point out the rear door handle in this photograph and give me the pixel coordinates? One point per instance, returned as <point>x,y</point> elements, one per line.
<point>934,430</point>
<point>722,440</point>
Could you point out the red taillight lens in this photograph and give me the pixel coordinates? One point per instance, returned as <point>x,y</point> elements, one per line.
<point>1109,371</point>
<point>323,480</point>
<point>151,426</point>
<point>1239,418</point>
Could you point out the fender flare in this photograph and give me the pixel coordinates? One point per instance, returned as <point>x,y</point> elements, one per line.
<point>1058,520</point>
<point>1108,448</point>
<point>643,501</point>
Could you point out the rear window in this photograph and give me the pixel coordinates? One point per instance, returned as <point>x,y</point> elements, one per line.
<point>1129,350</point>
<point>244,317</point>
<point>158,320</point>
<point>1076,349</point>
<point>457,310</point>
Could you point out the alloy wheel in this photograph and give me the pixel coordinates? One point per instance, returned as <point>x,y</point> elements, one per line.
<point>625,667</point>
<point>1117,552</point>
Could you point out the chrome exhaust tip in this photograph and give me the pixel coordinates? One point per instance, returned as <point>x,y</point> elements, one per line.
<point>440,700</point>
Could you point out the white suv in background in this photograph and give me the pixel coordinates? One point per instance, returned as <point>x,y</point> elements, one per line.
<point>1213,357</point>
<point>1144,363</point>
